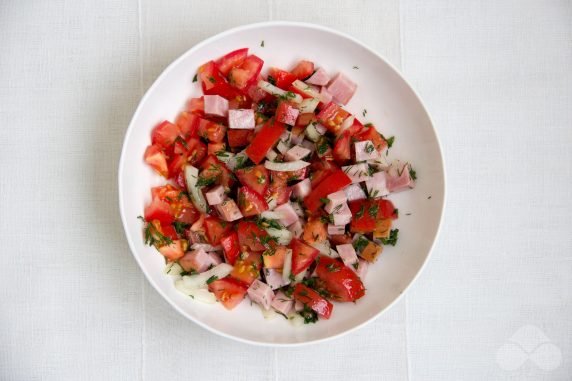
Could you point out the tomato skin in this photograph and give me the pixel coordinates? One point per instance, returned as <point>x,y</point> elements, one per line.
<point>332,117</point>
<point>213,148</point>
<point>164,134</point>
<point>231,247</point>
<point>282,78</point>
<point>371,134</point>
<point>321,170</point>
<point>244,75</point>
<point>266,138</point>
<point>214,83</point>
<point>159,210</point>
<point>249,202</point>
<point>212,131</point>
<point>340,239</point>
<point>176,164</point>
<point>302,255</point>
<point>230,292</point>
<point>366,212</point>
<point>174,250</point>
<point>256,178</point>
<point>156,159</point>
<point>315,231</point>
<point>341,282</point>
<point>197,151</point>
<point>196,106</point>
<point>313,300</point>
<point>286,113</point>
<point>188,124</point>
<point>332,183</point>
<point>342,150</point>
<point>303,69</point>
<point>239,138</point>
<point>249,235</point>
<point>232,59</point>
<point>247,267</point>
<point>213,167</point>
<point>216,229</point>
<point>304,120</point>
<point>274,259</point>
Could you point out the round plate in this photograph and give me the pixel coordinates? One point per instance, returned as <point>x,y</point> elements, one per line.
<point>391,105</point>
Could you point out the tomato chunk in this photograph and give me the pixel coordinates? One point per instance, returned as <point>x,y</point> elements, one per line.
<point>370,133</point>
<point>332,117</point>
<point>155,157</point>
<point>274,259</point>
<point>250,202</point>
<point>231,247</point>
<point>342,148</point>
<point>332,183</point>
<point>212,131</point>
<point>365,214</point>
<point>303,69</point>
<point>302,255</point>
<point>247,267</point>
<point>159,210</point>
<point>214,83</point>
<point>341,282</point>
<point>266,138</point>
<point>313,300</point>
<point>239,138</point>
<point>281,78</point>
<point>216,229</point>
<point>232,59</point>
<point>251,236</point>
<point>230,292</point>
<point>165,134</point>
<point>254,177</point>
<point>244,75</point>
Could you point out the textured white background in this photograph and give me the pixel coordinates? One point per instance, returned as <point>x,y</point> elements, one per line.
<point>497,78</point>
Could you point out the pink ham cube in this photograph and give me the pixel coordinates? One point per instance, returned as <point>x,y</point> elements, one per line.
<point>325,96</point>
<point>401,180</point>
<point>261,293</point>
<point>335,199</point>
<point>296,229</point>
<point>357,172</point>
<point>216,195</point>
<point>319,78</point>
<point>296,153</point>
<point>336,229</point>
<point>342,88</point>
<point>197,260</point>
<point>302,189</point>
<point>298,306</point>
<point>215,258</point>
<point>274,279</point>
<point>215,105</point>
<point>288,214</point>
<point>241,119</point>
<point>282,303</point>
<point>377,185</point>
<point>228,210</point>
<point>365,151</point>
<point>361,270</point>
<point>342,214</point>
<point>348,254</point>
<point>287,113</point>
<point>354,192</point>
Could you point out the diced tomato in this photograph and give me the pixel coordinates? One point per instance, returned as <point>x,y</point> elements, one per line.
<point>341,282</point>
<point>240,101</point>
<point>371,134</point>
<point>216,229</point>
<point>155,157</point>
<point>177,164</point>
<point>366,212</point>
<point>174,250</point>
<point>159,210</point>
<point>212,131</point>
<point>213,148</point>
<point>197,151</point>
<point>242,76</point>
<point>165,134</point>
<point>180,206</point>
<point>169,231</point>
<point>282,178</point>
<point>286,113</point>
<point>250,202</point>
<point>332,117</point>
<point>266,138</point>
<point>305,119</point>
<point>239,137</point>
<point>250,235</point>
<point>230,246</point>
<point>214,83</point>
<point>296,90</point>
<point>333,183</point>
<point>321,170</point>
<point>340,239</point>
<point>303,70</point>
<point>247,267</point>
<point>342,148</point>
<point>281,78</point>
<point>315,231</point>
<point>274,259</point>
<point>254,177</point>
<point>188,124</point>
<point>196,106</point>
<point>232,59</point>
<point>230,292</point>
<point>313,300</point>
<point>214,168</point>
<point>279,190</point>
<point>302,255</point>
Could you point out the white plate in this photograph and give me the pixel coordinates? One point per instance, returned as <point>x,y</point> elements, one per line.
<point>391,105</point>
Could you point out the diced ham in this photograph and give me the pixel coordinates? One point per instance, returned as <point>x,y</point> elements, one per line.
<point>296,139</point>
<point>298,209</point>
<point>215,105</point>
<point>348,254</point>
<point>298,306</point>
<point>241,119</point>
<point>274,279</point>
<point>296,153</point>
<point>320,78</point>
<point>357,172</point>
<point>354,192</point>
<point>361,270</point>
<point>342,88</point>
<point>336,229</point>
<point>302,189</point>
<point>365,151</point>
<point>216,195</point>
<point>288,214</point>
<point>377,185</point>
<point>198,260</point>
<point>229,210</point>
<point>400,181</point>
<point>309,145</point>
<point>296,229</point>
<point>326,95</point>
<point>282,303</point>
<point>342,214</point>
<point>261,293</point>
<point>335,199</point>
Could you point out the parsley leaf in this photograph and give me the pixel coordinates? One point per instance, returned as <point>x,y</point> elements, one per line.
<point>262,44</point>
<point>180,226</point>
<point>195,78</point>
<point>212,279</point>
<point>392,239</point>
<point>309,315</point>
<point>412,173</point>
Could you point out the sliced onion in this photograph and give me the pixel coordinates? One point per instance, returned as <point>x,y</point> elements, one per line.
<point>271,215</point>
<point>268,314</point>
<point>173,269</point>
<point>307,89</point>
<point>271,155</point>
<point>191,177</point>
<point>287,269</point>
<point>206,247</point>
<point>239,158</point>
<point>300,276</point>
<point>324,248</point>
<point>199,294</point>
<point>282,147</point>
<point>224,156</point>
<point>312,132</point>
<point>296,319</point>
<point>347,123</point>
<point>278,92</point>
<point>308,105</point>
<point>287,166</point>
<point>200,280</point>
<point>283,236</point>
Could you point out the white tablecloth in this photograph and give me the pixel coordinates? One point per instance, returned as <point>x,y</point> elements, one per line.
<point>495,300</point>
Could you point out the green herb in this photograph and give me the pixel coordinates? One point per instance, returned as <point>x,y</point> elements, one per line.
<point>429,198</point>
<point>288,291</point>
<point>268,223</point>
<point>211,78</point>
<point>154,237</point>
<point>212,279</point>
<point>240,161</point>
<point>412,173</point>
<point>360,211</point>
<point>181,195</point>
<point>355,265</point>
<point>287,96</point>
<point>389,140</point>
<point>364,112</point>
<point>205,181</point>
<point>360,243</point>
<point>355,67</point>
<point>271,80</point>
<point>169,199</point>
<point>396,212</point>
<point>407,214</point>
<point>369,148</point>
<point>262,44</point>
<point>309,315</point>
<point>195,78</point>
<point>392,239</point>
<point>337,208</point>
<point>368,125</point>
<point>180,226</point>
<point>370,170</point>
<point>332,267</point>
<point>221,153</point>
<point>374,194</point>
<point>292,277</point>
<point>322,146</point>
<point>261,179</point>
<point>324,200</point>
<point>310,282</point>
<point>182,141</point>
<point>190,272</point>
<point>372,211</point>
